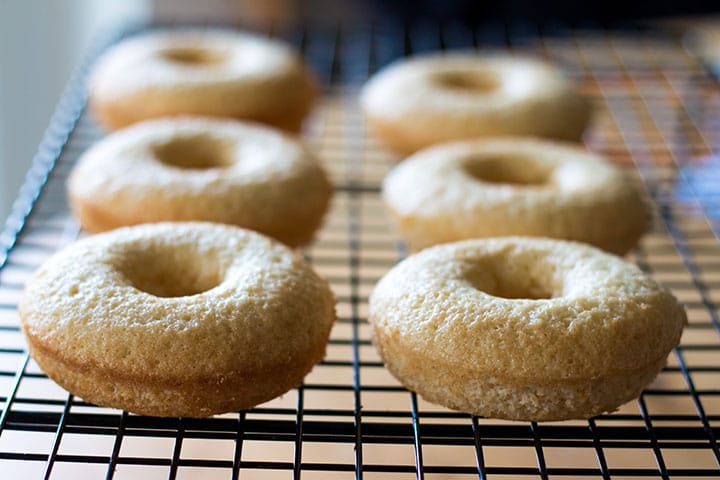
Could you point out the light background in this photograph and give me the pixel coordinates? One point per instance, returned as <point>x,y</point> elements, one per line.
<point>41,41</point>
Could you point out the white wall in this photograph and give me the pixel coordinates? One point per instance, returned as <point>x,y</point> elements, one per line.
<point>40,43</point>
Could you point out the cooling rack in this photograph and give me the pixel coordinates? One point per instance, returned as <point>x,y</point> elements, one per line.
<point>657,116</point>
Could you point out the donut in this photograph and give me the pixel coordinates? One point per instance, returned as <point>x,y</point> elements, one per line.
<point>523,328</point>
<point>177,319</point>
<point>200,72</point>
<point>437,98</point>
<point>513,186</point>
<point>185,169</point>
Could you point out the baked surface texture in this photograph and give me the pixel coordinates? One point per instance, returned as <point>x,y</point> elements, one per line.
<point>217,73</point>
<point>435,98</point>
<point>201,169</point>
<point>173,319</point>
<point>523,328</point>
<point>501,187</point>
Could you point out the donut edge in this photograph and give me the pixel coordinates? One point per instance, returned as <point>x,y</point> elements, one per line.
<point>503,399</point>
<point>93,217</point>
<point>221,393</point>
<point>114,115</point>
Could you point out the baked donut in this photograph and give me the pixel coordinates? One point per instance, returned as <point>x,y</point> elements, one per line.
<point>436,98</point>
<point>182,169</point>
<point>201,72</point>
<point>523,328</point>
<point>177,319</point>
<point>498,187</point>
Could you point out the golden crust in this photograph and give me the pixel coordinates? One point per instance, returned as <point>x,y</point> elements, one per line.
<point>201,72</point>
<point>432,99</point>
<point>116,115</point>
<point>115,318</point>
<point>248,175</point>
<point>499,187</point>
<point>523,328</point>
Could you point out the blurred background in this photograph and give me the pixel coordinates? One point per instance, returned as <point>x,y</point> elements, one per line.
<point>42,41</point>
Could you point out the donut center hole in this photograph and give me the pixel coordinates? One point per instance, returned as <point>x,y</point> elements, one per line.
<point>508,169</point>
<point>193,56</point>
<point>472,81</point>
<point>518,292</point>
<point>512,277</point>
<point>177,272</point>
<point>196,152</point>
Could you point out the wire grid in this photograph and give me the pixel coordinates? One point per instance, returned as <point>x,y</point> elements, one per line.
<point>657,116</point>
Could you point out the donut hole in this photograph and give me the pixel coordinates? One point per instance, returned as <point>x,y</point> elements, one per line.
<point>468,80</point>
<point>193,56</point>
<point>508,169</point>
<point>513,278</point>
<point>178,272</point>
<point>195,152</point>
<point>520,292</point>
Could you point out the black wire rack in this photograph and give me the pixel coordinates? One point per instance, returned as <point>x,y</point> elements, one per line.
<point>658,113</point>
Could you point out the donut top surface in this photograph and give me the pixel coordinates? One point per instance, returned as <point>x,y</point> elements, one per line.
<point>193,291</point>
<point>186,58</point>
<point>527,310</point>
<point>186,154</point>
<point>502,170</point>
<point>460,83</point>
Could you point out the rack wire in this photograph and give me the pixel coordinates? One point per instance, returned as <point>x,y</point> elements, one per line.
<point>657,116</point>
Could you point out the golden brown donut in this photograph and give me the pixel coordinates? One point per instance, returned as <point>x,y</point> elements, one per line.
<point>512,186</point>
<point>435,98</point>
<point>217,73</point>
<point>182,169</point>
<point>177,319</point>
<point>523,328</point>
